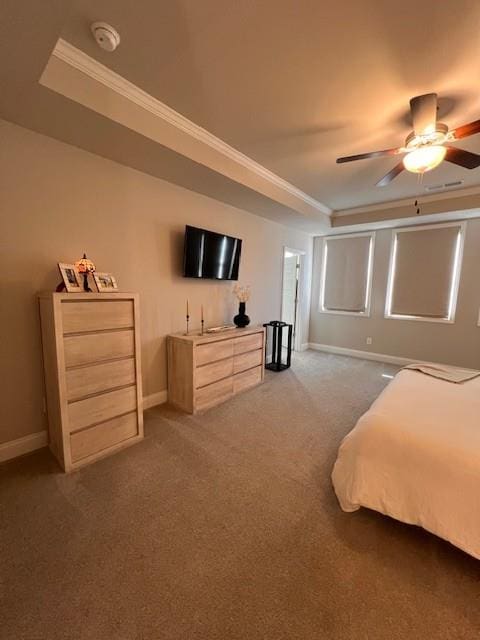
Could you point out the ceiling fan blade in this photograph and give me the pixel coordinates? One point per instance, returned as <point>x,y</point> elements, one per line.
<point>372,154</point>
<point>463,158</point>
<point>424,113</point>
<point>391,175</point>
<point>466,130</point>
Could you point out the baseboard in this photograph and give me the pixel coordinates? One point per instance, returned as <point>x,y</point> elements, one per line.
<point>365,355</point>
<point>304,346</point>
<point>21,446</point>
<point>155,398</point>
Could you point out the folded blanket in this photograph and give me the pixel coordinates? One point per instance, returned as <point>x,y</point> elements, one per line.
<point>450,374</point>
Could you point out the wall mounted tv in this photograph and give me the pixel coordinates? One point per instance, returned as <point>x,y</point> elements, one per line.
<point>210,255</point>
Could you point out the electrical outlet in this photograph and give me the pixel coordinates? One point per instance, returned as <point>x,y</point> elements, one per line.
<point>369,341</point>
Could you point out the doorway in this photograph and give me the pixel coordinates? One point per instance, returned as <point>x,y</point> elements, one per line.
<point>292,261</point>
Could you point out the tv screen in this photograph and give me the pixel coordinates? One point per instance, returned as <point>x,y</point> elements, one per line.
<point>210,255</point>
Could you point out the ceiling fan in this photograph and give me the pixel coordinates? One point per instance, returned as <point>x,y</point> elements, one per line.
<point>428,144</point>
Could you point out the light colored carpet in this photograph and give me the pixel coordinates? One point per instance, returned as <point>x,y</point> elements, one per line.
<point>225,526</point>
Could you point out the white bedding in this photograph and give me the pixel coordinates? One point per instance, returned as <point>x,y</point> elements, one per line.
<point>415,456</point>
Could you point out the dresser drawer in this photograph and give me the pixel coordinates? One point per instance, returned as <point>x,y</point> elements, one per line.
<point>247,360</point>
<point>96,316</point>
<point>84,413</point>
<point>213,394</point>
<point>248,343</point>
<point>212,372</point>
<point>96,378</point>
<point>94,347</point>
<point>102,436</point>
<point>247,379</point>
<point>206,353</point>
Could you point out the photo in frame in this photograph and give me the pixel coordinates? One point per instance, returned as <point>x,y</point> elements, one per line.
<point>105,282</point>
<point>70,277</point>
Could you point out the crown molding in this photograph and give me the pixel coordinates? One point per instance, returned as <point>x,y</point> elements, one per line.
<point>82,62</point>
<point>394,204</point>
<point>398,223</point>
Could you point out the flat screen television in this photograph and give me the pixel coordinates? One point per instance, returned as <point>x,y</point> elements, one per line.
<point>210,255</point>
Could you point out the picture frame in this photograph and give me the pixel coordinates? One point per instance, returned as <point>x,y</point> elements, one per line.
<point>105,282</point>
<point>71,278</point>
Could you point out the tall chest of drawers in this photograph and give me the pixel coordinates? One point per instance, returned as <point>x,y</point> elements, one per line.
<point>206,370</point>
<point>91,355</point>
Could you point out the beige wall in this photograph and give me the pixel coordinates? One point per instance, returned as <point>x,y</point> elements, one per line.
<point>57,201</point>
<point>457,343</point>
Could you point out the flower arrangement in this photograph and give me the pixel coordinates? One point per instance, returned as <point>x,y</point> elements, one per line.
<point>242,293</point>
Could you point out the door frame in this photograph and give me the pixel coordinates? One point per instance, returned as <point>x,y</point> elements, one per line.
<point>297,342</point>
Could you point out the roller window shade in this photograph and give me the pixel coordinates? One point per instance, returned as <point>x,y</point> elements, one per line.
<point>423,276</point>
<point>346,274</point>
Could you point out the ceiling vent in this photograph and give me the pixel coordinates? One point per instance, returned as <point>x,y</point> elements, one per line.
<point>447,185</point>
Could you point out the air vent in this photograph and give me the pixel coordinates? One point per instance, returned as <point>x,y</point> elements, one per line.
<point>447,185</point>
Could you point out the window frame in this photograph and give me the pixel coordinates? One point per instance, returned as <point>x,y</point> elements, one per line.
<point>371,256</point>
<point>456,275</point>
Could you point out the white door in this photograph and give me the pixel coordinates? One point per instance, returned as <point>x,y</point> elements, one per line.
<point>291,269</point>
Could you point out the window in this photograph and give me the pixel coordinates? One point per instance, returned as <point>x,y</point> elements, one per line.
<point>347,274</point>
<point>425,264</point>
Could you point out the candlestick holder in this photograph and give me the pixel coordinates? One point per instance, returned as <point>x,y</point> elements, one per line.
<point>202,327</point>
<point>188,320</point>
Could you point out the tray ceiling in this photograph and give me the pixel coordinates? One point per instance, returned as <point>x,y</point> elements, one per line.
<point>295,84</point>
<point>290,84</point>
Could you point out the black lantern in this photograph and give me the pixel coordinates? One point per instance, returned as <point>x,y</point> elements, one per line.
<point>277,332</point>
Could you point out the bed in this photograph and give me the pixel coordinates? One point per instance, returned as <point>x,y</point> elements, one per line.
<point>415,456</point>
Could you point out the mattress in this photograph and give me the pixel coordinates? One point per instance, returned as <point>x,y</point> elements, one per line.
<point>415,456</point>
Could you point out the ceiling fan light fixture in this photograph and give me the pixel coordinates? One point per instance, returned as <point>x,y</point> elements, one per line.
<point>424,146</point>
<point>424,158</point>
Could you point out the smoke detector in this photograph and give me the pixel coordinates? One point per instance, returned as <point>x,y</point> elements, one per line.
<point>107,37</point>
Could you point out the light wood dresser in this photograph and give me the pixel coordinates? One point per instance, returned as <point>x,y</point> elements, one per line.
<point>91,354</point>
<point>206,370</point>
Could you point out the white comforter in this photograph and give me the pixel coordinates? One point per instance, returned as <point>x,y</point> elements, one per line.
<point>415,456</point>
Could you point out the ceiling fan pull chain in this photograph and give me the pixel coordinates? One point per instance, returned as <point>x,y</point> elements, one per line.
<point>419,181</point>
